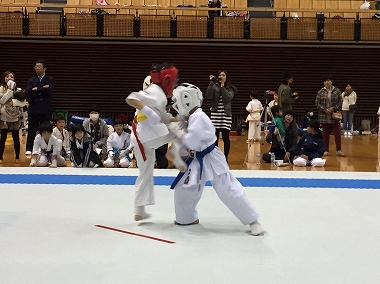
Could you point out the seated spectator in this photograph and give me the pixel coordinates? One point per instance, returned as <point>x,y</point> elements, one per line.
<point>98,130</point>
<point>291,133</point>
<point>214,4</point>
<point>276,137</point>
<point>283,146</point>
<point>62,135</point>
<point>82,150</point>
<point>118,144</point>
<point>46,148</point>
<point>310,147</point>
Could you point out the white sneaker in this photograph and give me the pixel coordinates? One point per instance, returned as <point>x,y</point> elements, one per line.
<point>349,134</point>
<point>28,153</point>
<point>345,134</point>
<point>256,229</point>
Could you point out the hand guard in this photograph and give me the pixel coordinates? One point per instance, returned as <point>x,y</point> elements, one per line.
<point>181,117</point>
<point>153,117</point>
<point>167,118</point>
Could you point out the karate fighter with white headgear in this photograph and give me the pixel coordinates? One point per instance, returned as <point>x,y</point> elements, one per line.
<point>205,163</point>
<point>152,127</point>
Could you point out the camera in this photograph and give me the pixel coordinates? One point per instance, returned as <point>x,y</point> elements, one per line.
<point>215,79</point>
<point>269,92</point>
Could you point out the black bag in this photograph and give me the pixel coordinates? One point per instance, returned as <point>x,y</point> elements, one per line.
<point>353,107</point>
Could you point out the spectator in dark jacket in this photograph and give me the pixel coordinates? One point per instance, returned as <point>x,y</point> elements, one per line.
<point>309,149</point>
<point>82,149</point>
<point>39,91</point>
<point>214,4</point>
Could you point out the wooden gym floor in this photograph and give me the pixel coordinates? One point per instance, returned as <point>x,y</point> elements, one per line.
<point>362,155</point>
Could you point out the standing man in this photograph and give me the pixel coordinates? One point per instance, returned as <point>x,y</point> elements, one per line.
<point>286,97</point>
<point>39,91</point>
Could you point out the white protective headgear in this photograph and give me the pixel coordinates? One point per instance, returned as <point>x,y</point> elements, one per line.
<point>186,97</point>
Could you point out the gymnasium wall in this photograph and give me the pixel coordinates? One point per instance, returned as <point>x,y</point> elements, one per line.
<point>104,72</point>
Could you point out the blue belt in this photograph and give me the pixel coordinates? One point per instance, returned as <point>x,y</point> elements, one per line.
<point>199,156</point>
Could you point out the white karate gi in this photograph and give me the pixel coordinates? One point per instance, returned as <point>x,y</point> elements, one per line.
<point>63,139</point>
<point>118,142</point>
<point>188,191</point>
<point>151,137</point>
<point>254,130</point>
<point>40,148</point>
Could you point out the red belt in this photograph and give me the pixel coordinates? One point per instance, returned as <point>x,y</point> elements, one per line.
<point>137,138</point>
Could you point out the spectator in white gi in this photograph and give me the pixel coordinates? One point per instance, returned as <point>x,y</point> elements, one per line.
<point>118,147</point>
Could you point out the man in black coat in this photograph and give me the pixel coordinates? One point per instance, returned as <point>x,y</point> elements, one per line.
<point>39,91</point>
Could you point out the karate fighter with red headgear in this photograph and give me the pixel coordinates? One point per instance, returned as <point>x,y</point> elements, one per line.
<point>205,163</point>
<point>152,128</point>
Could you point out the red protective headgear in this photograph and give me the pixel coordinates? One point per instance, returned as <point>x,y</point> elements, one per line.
<point>165,76</point>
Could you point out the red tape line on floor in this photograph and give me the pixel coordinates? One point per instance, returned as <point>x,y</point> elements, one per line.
<point>134,234</point>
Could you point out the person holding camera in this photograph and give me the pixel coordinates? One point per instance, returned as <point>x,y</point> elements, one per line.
<point>221,92</point>
<point>286,97</point>
<point>12,99</point>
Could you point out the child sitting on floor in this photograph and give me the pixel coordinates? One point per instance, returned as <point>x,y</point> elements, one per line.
<point>118,147</point>
<point>62,135</point>
<point>46,148</point>
<point>82,148</point>
<point>309,149</point>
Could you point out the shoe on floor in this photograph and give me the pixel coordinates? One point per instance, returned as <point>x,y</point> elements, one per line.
<point>28,153</point>
<point>325,153</point>
<point>349,134</point>
<point>340,153</point>
<point>256,229</point>
<point>192,223</point>
<point>17,161</point>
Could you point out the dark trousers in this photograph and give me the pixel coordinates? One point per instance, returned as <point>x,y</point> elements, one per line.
<point>226,140</point>
<point>34,120</point>
<point>16,142</point>
<point>162,162</point>
<point>327,129</point>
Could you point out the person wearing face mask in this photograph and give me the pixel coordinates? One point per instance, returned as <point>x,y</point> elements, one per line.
<point>98,130</point>
<point>348,98</point>
<point>221,92</point>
